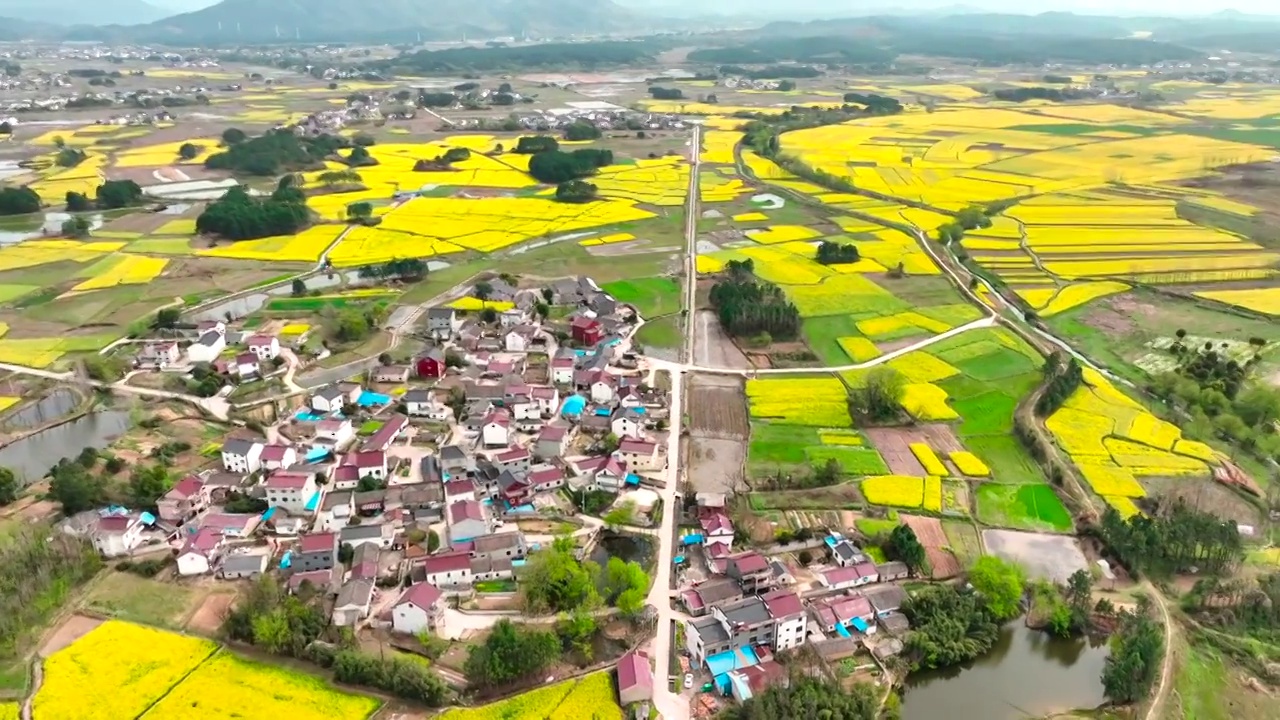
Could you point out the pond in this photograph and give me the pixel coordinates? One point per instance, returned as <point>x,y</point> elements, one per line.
<point>17,228</point>
<point>1027,673</point>
<point>32,457</point>
<point>627,546</point>
<point>49,408</point>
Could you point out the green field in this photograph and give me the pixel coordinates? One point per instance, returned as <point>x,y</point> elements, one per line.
<point>315,304</point>
<point>1008,460</point>
<point>652,296</point>
<point>776,447</point>
<point>660,333</point>
<point>1022,507</point>
<point>822,333</point>
<point>11,292</point>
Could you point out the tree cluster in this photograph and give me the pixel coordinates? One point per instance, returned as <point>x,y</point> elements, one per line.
<point>661,93</point>
<point>18,201</point>
<point>1249,606</point>
<point>1023,94</point>
<point>454,61</point>
<point>555,166</point>
<point>827,50</point>
<point>39,570</point>
<point>948,626</point>
<point>436,99</point>
<point>275,152</point>
<point>353,324</point>
<point>772,72</point>
<point>1247,419</point>
<point>625,585</point>
<point>511,652</point>
<point>1064,376</point>
<point>999,583</point>
<point>579,130</point>
<point>556,581</point>
<point>294,625</point>
<point>114,194</point>
<point>1137,649</point>
<point>879,397</point>
<point>1172,541</point>
<point>399,269</point>
<point>748,306</point>
<point>875,104</point>
<point>68,157</point>
<point>809,697</point>
<point>576,191</point>
<point>1064,609</point>
<point>442,162</point>
<point>237,216</point>
<point>531,144</point>
<point>904,546</point>
<point>835,253</point>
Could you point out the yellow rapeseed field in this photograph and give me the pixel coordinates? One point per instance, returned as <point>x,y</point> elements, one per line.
<point>123,269</point>
<point>928,459</point>
<point>969,464</point>
<point>1263,300</point>
<point>226,686</point>
<point>116,671</point>
<point>927,402</point>
<point>894,490</point>
<point>306,246</point>
<point>816,401</point>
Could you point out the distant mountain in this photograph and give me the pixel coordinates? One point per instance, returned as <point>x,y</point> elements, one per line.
<point>395,20</point>
<point>82,12</point>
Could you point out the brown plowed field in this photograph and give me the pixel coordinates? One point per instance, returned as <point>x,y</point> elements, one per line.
<point>894,445</point>
<point>929,532</point>
<point>718,408</point>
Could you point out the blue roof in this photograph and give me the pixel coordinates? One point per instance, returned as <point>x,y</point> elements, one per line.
<point>313,502</point>
<point>841,631</point>
<point>640,410</point>
<point>147,518</point>
<point>860,624</point>
<point>271,511</point>
<point>678,559</point>
<point>287,560</point>
<point>732,660</point>
<point>693,539</point>
<point>741,685</point>
<point>573,405</point>
<point>603,412</point>
<point>633,479</point>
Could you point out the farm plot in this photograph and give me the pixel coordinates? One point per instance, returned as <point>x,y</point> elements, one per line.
<point>815,401</point>
<point>718,428</point>
<point>1023,507</point>
<point>651,296</point>
<point>166,676</point>
<point>592,696</point>
<point>895,445</point>
<point>929,531</point>
<point>780,448</point>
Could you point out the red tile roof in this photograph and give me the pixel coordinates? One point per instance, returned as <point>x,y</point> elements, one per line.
<point>288,481</point>
<point>274,453</point>
<point>466,510</point>
<point>422,595</point>
<point>716,523</point>
<point>750,562</point>
<point>187,487</point>
<point>554,433</point>
<point>259,340</point>
<point>634,671</point>
<point>447,562</point>
<point>459,487</point>
<point>366,459</point>
<point>639,447</point>
<point>782,603</point>
<point>837,576</point>
<point>203,541</point>
<point>346,473</point>
<point>115,523</point>
<point>319,578</point>
<point>317,542</point>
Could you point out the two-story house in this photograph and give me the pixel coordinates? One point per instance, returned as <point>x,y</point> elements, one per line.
<point>317,551</point>
<point>628,423</point>
<point>547,399</point>
<point>788,616</point>
<point>187,498</point>
<point>443,322</point>
<point>160,354</point>
<point>418,610</point>
<point>335,432</point>
<point>242,456</point>
<point>495,429</point>
<point>200,552</point>
<point>278,457</point>
<point>367,464</point>
<point>640,455</point>
<point>730,626</point>
<point>516,459</point>
<point>291,491</point>
<point>207,347</point>
<point>448,570</point>
<point>716,529</point>
<point>117,535</point>
<point>751,570</point>
<point>551,441</point>
<point>468,519</point>
<point>265,347</point>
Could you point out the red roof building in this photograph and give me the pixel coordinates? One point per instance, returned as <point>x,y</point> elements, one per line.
<point>585,330</point>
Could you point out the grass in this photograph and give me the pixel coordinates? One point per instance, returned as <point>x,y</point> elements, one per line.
<point>822,333</point>
<point>854,461</point>
<point>660,333</point>
<point>1022,507</point>
<point>963,540</point>
<point>496,586</point>
<point>652,296</point>
<point>12,292</point>
<point>140,600</point>
<point>1200,680</point>
<point>872,527</point>
<point>1003,363</point>
<point>1008,460</point>
<point>990,413</point>
<point>370,427</point>
<point>316,304</point>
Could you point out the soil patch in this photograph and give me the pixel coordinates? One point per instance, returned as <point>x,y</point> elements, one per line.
<point>72,629</point>
<point>1206,496</point>
<point>208,617</point>
<point>718,408</point>
<point>894,445</point>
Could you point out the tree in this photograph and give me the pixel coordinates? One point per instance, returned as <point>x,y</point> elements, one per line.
<point>346,553</point>
<point>555,580</point>
<point>579,130</point>
<point>880,396</point>
<point>78,202</point>
<point>1079,597</point>
<point>233,136</point>
<point>433,541</point>
<point>488,315</point>
<point>531,144</point>
<point>948,626</point>
<point>237,216</point>
<point>167,318</point>
<point>76,226</point>
<point>188,151</point>
<point>18,201</point>
<point>483,290</point>
<point>147,484</point>
<point>114,194</point>
<point>834,253</point>
<point>1000,583</point>
<point>576,191</point>
<point>1136,651</point>
<point>361,139</point>
<point>510,652</point>
<point>808,697</point>
<point>9,486</point>
<point>74,489</point>
<point>359,211</point>
<point>577,629</point>
<point>298,287</point>
<point>905,546</point>
<point>555,167</point>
